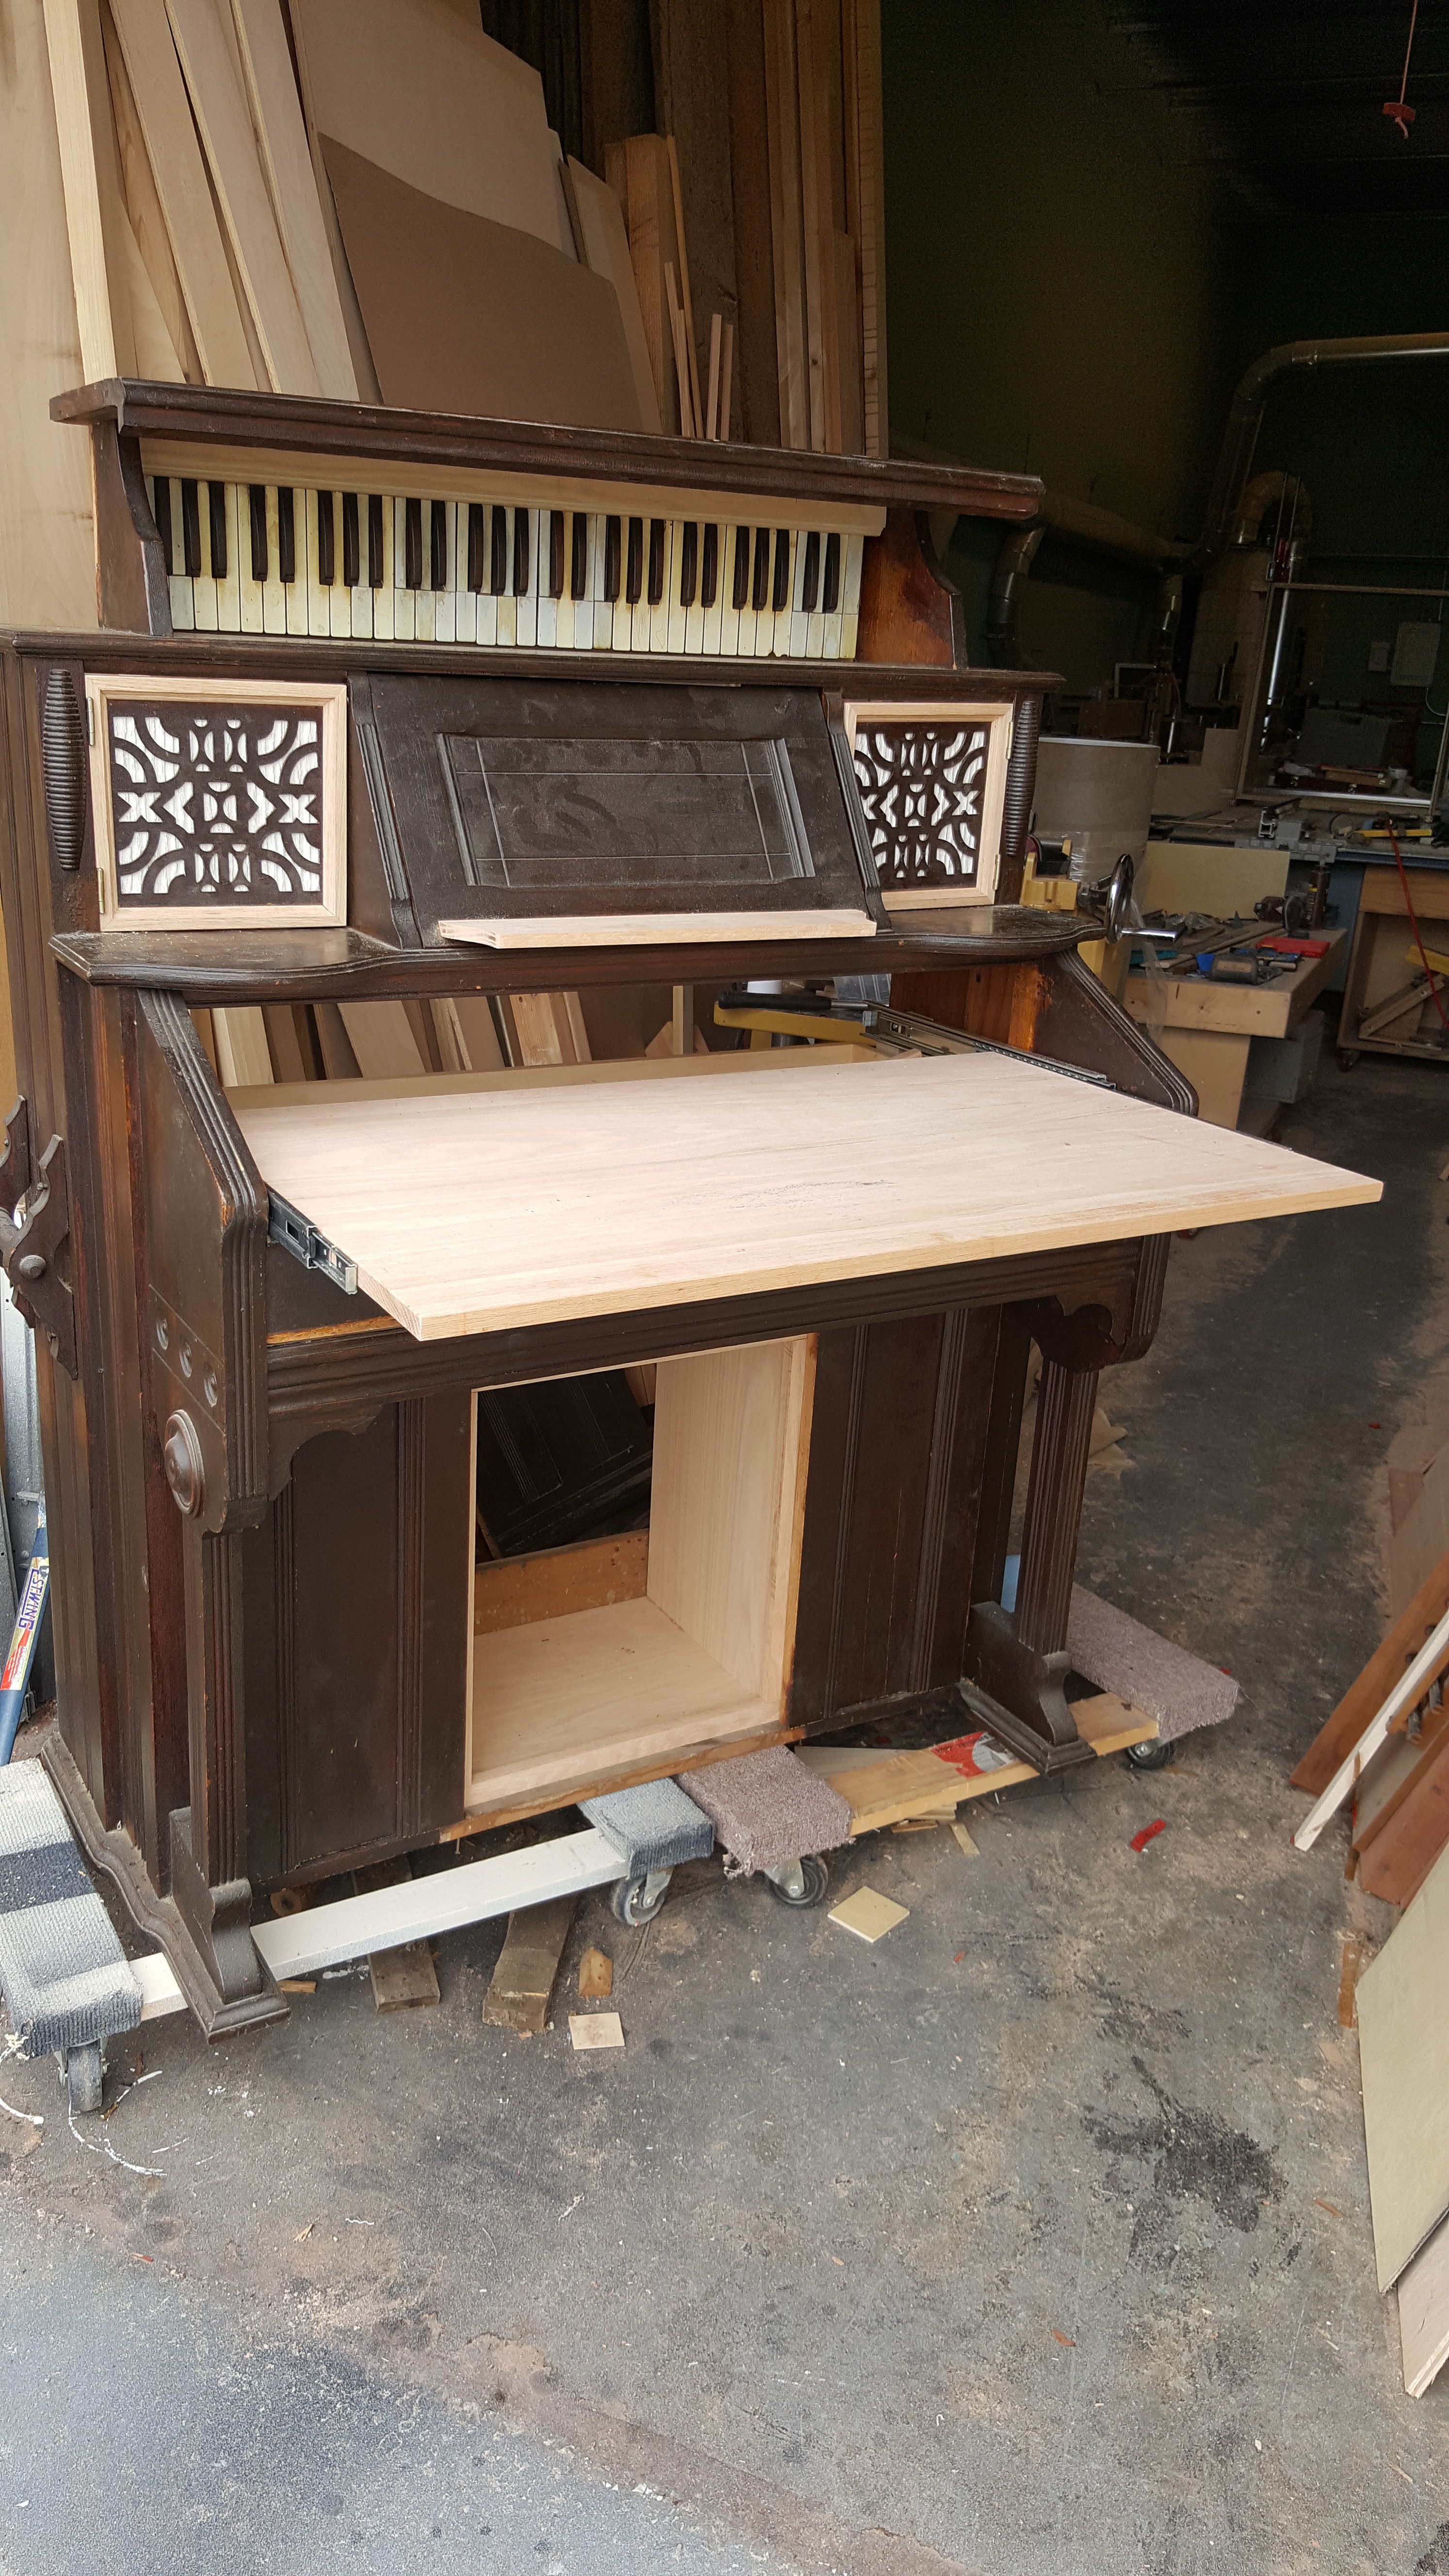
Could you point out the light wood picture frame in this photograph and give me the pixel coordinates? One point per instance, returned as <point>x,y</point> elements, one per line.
<point>218,804</point>
<point>932,781</point>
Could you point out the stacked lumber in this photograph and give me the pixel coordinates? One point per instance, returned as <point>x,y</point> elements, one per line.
<point>1385,1749</point>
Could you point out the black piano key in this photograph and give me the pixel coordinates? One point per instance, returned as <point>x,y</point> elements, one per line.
<point>555,554</point>
<point>709,565</point>
<point>613,537</point>
<point>351,542</point>
<point>376,553</point>
<point>780,595</point>
<point>326,541</point>
<point>498,553</point>
<point>477,544</point>
<point>286,533</point>
<point>810,583</point>
<point>760,590</point>
<point>520,553</point>
<point>438,545</point>
<point>740,595</point>
<point>412,545</point>
<point>656,562</point>
<point>830,596</point>
<point>688,564</point>
<point>216,515</point>
<point>161,497</point>
<point>191,529</point>
<point>634,569</point>
<point>257,512</point>
<point>579,553</point>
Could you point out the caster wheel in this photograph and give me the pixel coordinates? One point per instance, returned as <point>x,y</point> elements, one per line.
<point>1347,1058</point>
<point>1149,1756</point>
<point>808,1888</point>
<point>633,1902</point>
<point>83,2076</point>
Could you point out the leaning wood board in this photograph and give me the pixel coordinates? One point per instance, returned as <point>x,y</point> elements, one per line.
<point>528,1207</point>
<point>1403,2037</point>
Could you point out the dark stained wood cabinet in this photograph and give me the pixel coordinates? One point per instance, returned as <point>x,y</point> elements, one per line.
<point>264,1489</point>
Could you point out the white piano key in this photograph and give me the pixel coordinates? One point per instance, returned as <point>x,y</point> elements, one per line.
<point>384,605</point>
<point>183,614</point>
<point>274,604</point>
<point>799,620</point>
<point>182,618</point>
<point>319,604</point>
<point>445,601</point>
<point>659,616</point>
<point>853,552</point>
<point>465,601</point>
<point>203,588</point>
<point>404,601</point>
<point>487,603</point>
<point>363,598</point>
<point>712,627</point>
<point>525,602</point>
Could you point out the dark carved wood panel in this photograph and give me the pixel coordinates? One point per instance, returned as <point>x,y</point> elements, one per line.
<point>359,1602</point>
<point>923,787</point>
<point>900,1421</point>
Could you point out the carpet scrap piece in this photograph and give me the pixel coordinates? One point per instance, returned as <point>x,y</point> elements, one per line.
<point>767,1807</point>
<point>64,1974</point>
<point>654,1826</point>
<point>1145,1670</point>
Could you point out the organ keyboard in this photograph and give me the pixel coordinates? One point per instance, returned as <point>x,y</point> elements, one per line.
<point>281,558</point>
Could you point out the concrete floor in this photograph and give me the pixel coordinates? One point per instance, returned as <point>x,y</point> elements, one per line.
<point>1034,2239</point>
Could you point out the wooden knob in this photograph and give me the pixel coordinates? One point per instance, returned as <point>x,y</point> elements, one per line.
<point>181,1456</point>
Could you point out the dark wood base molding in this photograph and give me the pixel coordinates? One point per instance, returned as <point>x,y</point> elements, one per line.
<point>1020,1693</point>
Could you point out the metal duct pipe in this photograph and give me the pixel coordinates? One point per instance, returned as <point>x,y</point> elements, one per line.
<point>1245,415</point>
<point>1082,524</point>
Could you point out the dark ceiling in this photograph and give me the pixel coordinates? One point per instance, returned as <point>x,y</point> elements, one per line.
<point>1285,97</point>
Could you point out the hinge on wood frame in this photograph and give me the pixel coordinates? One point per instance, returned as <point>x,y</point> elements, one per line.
<point>297,1235</point>
<point>33,1232</point>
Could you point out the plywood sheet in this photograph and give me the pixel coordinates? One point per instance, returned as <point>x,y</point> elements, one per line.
<point>1403,2032</point>
<point>529,1205</point>
<point>470,316</point>
<point>441,107</point>
<point>1424,2314</point>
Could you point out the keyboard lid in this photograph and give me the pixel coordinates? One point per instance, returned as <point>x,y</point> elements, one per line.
<point>577,802</point>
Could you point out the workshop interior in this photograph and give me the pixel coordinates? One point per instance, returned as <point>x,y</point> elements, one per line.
<point>724,871</point>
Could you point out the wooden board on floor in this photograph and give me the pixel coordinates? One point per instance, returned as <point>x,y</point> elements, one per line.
<point>282,139</point>
<point>206,42</point>
<point>881,1788</point>
<point>522,1985</point>
<point>406,1975</point>
<point>1424,2314</point>
<point>689,1189</point>
<point>1403,2031</point>
<point>1341,1732</point>
<point>184,190</point>
<point>90,169</point>
<point>1407,1836</point>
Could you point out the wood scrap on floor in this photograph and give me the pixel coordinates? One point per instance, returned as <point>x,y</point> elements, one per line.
<point>1424,2314</point>
<point>596,1976</point>
<point>523,1980</point>
<point>881,1787</point>
<point>596,2030</point>
<point>868,1914</point>
<point>405,1975</point>
<point>1403,2032</point>
<point>1413,1685</point>
<point>1341,1732</point>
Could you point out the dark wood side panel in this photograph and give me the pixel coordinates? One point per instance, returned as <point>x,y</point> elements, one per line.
<point>359,1603</point>
<point>897,1450</point>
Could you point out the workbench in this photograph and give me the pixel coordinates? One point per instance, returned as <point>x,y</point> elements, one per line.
<point>1209,1027</point>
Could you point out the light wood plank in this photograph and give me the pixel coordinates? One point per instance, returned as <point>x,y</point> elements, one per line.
<point>383,1040</point>
<point>515,1591</point>
<point>243,1056</point>
<point>522,1984</point>
<point>182,187</point>
<point>90,169</point>
<point>148,224</point>
<point>286,157</point>
<point>206,41</point>
<point>421,1909</point>
<point>1403,2032</point>
<point>606,249</point>
<point>730,1431</point>
<point>156,353</point>
<point>1424,2314</point>
<point>654,929</point>
<point>523,1204</point>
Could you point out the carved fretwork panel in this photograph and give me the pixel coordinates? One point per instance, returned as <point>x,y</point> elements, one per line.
<point>931,783</point>
<point>219,803</point>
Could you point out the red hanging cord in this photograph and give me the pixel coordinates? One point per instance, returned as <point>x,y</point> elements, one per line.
<point>1403,115</point>
<point>1418,935</point>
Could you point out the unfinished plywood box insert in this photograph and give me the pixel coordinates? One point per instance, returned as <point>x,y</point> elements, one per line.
<point>618,1652</point>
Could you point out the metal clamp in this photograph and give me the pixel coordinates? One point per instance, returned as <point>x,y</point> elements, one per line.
<point>296,1234</point>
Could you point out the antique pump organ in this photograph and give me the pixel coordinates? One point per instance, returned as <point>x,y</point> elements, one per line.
<point>420,770</point>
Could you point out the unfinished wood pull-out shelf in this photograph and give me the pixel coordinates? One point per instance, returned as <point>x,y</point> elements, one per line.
<point>483,1204</point>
